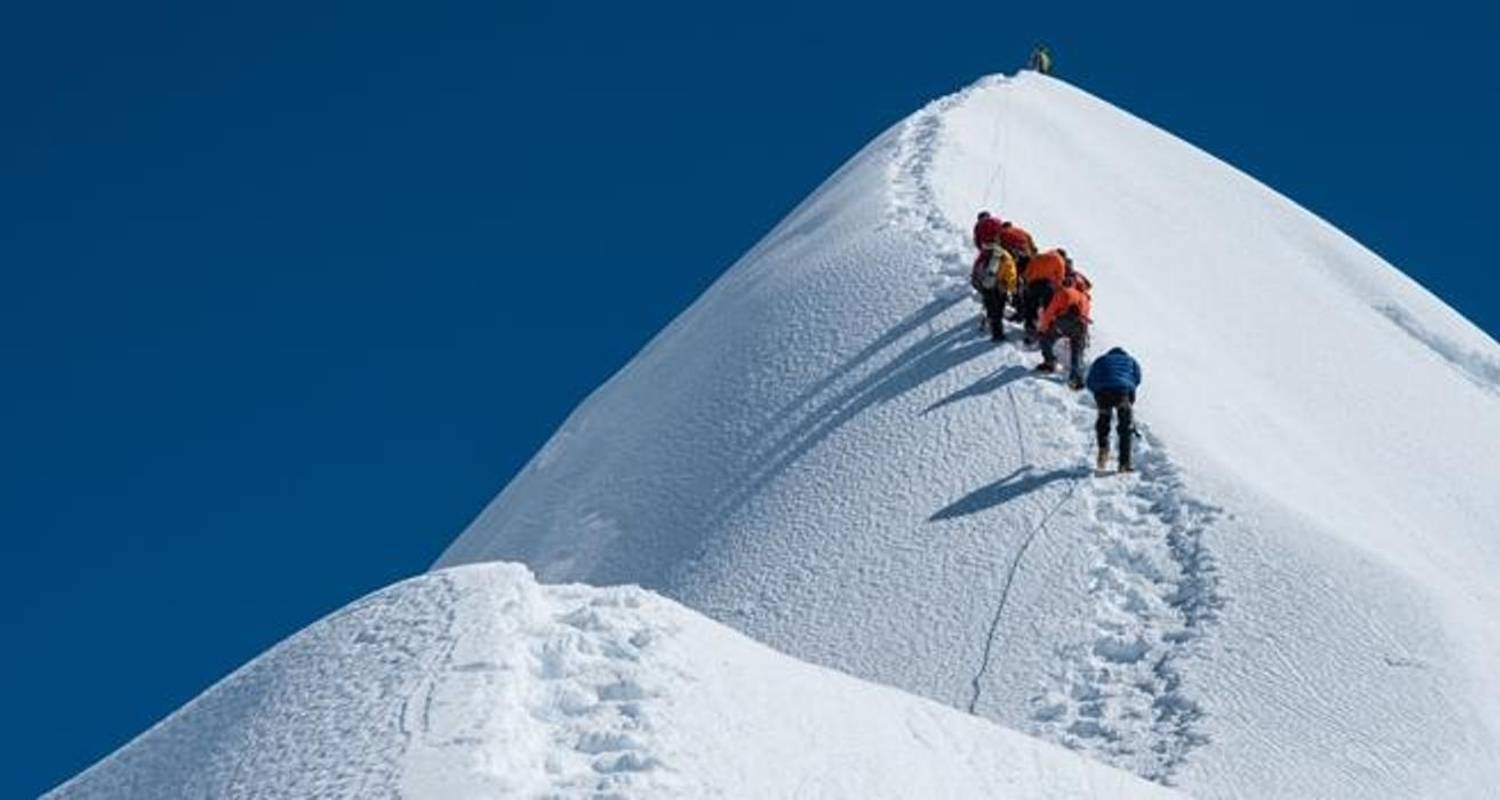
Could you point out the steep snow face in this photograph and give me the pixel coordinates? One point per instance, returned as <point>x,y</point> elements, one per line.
<point>477,682</point>
<point>1294,597</point>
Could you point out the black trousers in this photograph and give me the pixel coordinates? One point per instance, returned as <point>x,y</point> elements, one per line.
<point>1036,297</point>
<point>1121,404</point>
<point>994,309</point>
<point>1076,331</point>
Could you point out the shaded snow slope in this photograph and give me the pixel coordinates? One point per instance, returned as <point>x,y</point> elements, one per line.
<point>478,682</point>
<point>1295,597</point>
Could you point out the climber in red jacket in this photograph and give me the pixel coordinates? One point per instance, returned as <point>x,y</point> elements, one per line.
<point>987,230</point>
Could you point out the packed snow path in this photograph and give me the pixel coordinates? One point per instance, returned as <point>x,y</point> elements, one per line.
<point>825,453</point>
<point>1121,694</point>
<point>478,682</point>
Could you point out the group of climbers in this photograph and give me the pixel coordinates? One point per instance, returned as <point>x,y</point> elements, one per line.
<point>1050,296</point>
<point>1053,301</point>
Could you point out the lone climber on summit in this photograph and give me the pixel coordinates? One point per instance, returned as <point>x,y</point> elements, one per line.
<point>1041,60</point>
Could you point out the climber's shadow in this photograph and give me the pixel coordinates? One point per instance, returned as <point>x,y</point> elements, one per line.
<point>989,383</point>
<point>1020,483</point>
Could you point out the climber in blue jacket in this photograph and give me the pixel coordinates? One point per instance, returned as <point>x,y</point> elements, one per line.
<point>1113,378</point>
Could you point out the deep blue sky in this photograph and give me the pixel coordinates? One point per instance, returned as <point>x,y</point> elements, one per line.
<point>288,291</point>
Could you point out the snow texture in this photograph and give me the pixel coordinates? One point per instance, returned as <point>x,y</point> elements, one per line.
<point>478,682</point>
<point>1294,597</point>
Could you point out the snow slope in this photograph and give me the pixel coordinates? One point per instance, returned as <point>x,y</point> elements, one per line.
<point>1296,595</point>
<point>478,682</point>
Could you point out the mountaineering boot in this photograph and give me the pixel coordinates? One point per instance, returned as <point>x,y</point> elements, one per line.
<point>1047,366</point>
<point>1075,382</point>
<point>1101,463</point>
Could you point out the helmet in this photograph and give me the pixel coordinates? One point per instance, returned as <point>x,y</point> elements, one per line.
<point>984,215</point>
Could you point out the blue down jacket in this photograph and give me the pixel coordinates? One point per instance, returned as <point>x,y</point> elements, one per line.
<point>1114,370</point>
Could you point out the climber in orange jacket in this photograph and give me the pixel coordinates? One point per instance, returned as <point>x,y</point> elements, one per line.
<point>1040,278</point>
<point>1066,316</point>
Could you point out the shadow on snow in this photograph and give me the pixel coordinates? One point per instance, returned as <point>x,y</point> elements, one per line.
<point>812,421</point>
<point>1022,482</point>
<point>989,383</point>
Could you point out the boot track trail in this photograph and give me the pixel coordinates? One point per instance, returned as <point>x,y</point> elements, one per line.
<point>1125,694</point>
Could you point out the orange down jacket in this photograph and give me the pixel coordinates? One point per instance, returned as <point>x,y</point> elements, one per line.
<point>1049,266</point>
<point>1064,300</point>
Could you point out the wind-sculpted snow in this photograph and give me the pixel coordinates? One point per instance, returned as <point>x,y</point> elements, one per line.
<point>477,682</point>
<point>1483,370</point>
<point>825,453</point>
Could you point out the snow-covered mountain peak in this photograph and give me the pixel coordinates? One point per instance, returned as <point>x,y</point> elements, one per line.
<point>825,453</point>
<point>1293,597</point>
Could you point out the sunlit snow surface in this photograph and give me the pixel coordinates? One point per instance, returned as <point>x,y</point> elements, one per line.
<point>477,682</point>
<point>1294,597</point>
<point>1297,595</point>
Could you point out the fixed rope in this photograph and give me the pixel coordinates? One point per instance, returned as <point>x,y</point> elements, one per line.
<point>999,149</point>
<point>977,684</point>
<point>989,643</point>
